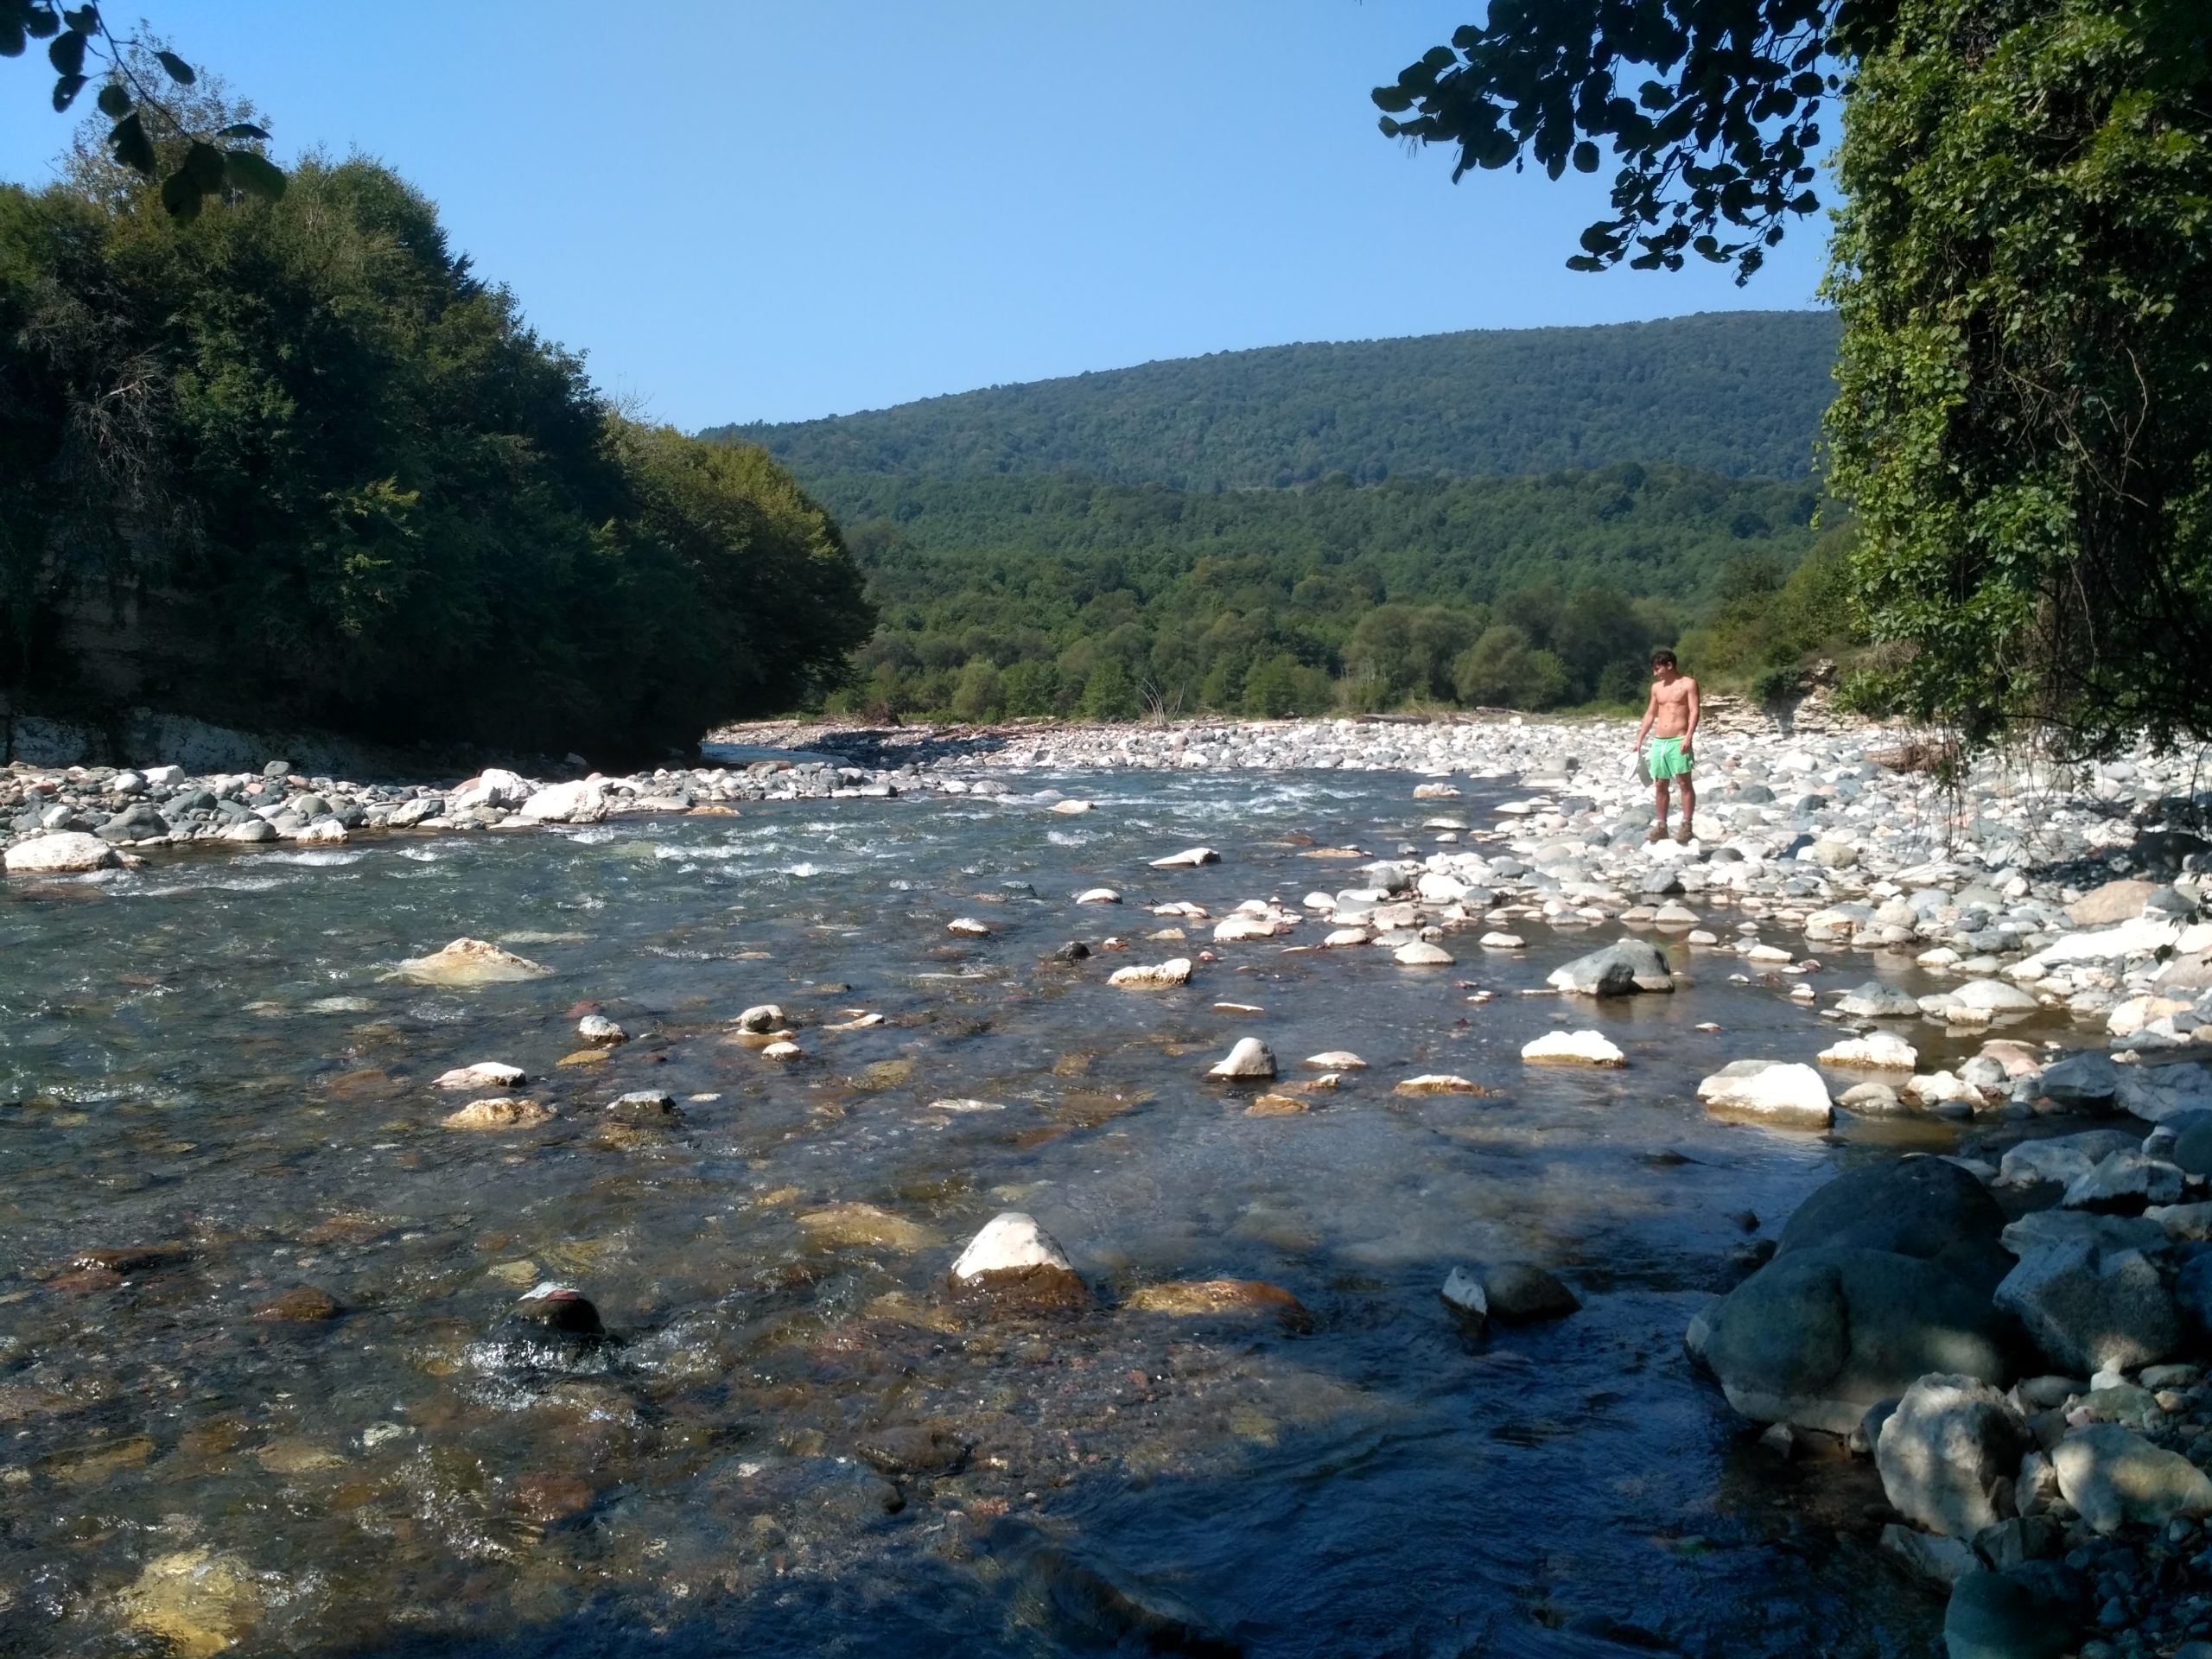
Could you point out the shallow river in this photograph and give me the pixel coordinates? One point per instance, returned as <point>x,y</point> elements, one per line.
<point>793,1445</point>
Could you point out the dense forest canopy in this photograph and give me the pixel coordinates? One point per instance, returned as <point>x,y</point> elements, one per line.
<point>290,461</point>
<point>1041,595</point>
<point>1737,393</point>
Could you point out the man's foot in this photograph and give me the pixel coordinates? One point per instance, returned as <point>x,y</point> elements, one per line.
<point>1658,831</point>
<point>1682,832</point>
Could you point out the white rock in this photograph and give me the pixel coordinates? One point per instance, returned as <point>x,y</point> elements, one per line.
<point>782,1051</point>
<point>69,852</point>
<point>765,1016</point>
<point>248,830</point>
<point>1189,859</point>
<point>1334,1059</point>
<point>599,1029</point>
<point>485,1074</point>
<point>1463,1292</point>
<point>1098,896</point>
<point>1420,954</point>
<point>491,787</point>
<point>1070,809</point>
<point>581,802</point>
<point>1495,941</point>
<point>969,928</point>
<point>164,777</point>
<point>1573,1048</point>
<point>1011,1243</point>
<point>1251,1058</point>
<point>1236,929</point>
<point>1140,976</point>
<point>1877,1051</point>
<point>1339,937</point>
<point>1785,1095</point>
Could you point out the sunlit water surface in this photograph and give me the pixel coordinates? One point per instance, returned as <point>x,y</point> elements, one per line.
<point>208,1053</point>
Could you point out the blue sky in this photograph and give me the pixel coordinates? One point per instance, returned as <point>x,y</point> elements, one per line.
<point>755,211</point>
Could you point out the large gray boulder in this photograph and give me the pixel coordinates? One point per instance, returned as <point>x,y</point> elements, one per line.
<point>1620,969</point>
<point>2090,1308</point>
<point>2192,1142</point>
<point>2126,1181</point>
<point>2086,1082</point>
<point>2063,1158</point>
<point>1923,1207</point>
<point>1817,1336</point>
<point>2113,1476</point>
<point>1875,1000</point>
<point>1944,1450</point>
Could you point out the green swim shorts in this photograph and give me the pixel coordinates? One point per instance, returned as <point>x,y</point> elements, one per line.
<point>1663,759</point>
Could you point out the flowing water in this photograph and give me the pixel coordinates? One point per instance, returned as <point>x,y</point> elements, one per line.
<point>791,1442</point>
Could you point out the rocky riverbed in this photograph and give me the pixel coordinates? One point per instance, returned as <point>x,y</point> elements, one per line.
<point>2005,973</point>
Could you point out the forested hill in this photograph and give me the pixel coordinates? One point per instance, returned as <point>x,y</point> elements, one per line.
<point>1739,393</point>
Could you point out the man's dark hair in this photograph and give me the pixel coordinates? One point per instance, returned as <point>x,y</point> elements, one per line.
<point>1662,657</point>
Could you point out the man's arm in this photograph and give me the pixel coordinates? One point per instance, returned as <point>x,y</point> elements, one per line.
<point>1696,709</point>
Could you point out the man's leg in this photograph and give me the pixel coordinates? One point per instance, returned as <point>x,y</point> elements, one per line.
<point>1690,807</point>
<point>1658,808</point>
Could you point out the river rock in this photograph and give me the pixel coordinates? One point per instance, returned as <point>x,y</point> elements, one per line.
<point>302,1304</point>
<point>1420,954</point>
<point>1440,1083</point>
<point>197,1602</point>
<point>2113,1476</point>
<point>484,1074</point>
<point>2091,1309</point>
<point>2115,901</point>
<point>2024,1614</point>
<point>248,830</point>
<point>1464,1294</point>
<point>1923,1207</point>
<point>1877,1051</point>
<point>1572,1048</point>
<point>1205,1298</point>
<point>1189,859</point>
<point>1945,1450</point>
<point>968,927</point>
<point>645,1108</point>
<point>761,1019</point>
<point>1014,1266</point>
<point>1249,1058</point>
<point>1773,1092</point>
<point>470,961</point>
<point>1817,1336</point>
<point>1334,1059</point>
<point>2084,1081</point>
<point>498,1112</point>
<point>1978,1001</point>
<point>1098,896</point>
<point>68,852</point>
<point>2126,1180</point>
<point>581,802</point>
<point>1943,1560</point>
<point>2192,1146</point>
<point>601,1031</point>
<point>2064,1159</point>
<point>1875,1000</point>
<point>850,1226</point>
<point>1522,1293</point>
<point>1156,976</point>
<point>1620,969</point>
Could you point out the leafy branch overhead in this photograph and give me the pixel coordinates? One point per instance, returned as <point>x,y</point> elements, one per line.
<point>1713,108</point>
<point>192,169</point>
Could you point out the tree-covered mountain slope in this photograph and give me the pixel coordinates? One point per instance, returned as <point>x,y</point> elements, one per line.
<point>1739,393</point>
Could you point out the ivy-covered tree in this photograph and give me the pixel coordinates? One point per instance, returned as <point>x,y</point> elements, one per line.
<point>2023,264</point>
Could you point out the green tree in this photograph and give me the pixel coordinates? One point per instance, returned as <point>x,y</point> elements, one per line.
<point>2023,265</point>
<point>979,694</point>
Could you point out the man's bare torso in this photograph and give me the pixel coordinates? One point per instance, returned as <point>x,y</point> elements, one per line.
<point>1670,707</point>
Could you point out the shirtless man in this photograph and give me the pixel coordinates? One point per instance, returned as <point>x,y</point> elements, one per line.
<point>1671,718</point>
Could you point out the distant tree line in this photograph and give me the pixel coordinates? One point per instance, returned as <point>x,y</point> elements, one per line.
<point>289,461</point>
<point>1021,596</point>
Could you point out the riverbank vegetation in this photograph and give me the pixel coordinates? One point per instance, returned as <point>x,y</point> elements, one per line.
<point>291,463</point>
<point>1007,596</point>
